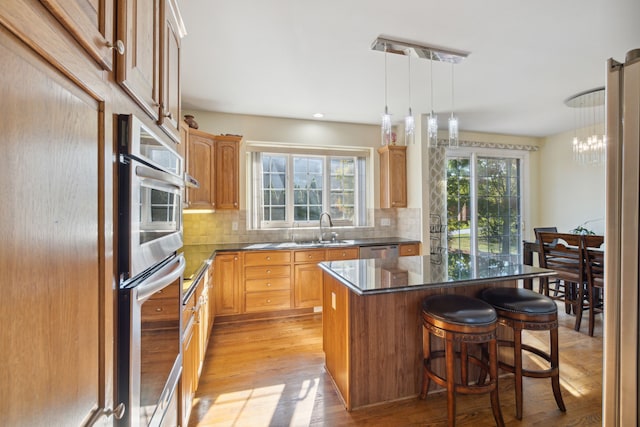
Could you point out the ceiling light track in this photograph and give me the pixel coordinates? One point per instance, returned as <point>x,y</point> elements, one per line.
<point>418,50</point>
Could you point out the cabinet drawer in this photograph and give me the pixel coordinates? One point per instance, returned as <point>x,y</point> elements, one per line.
<point>267,258</point>
<point>188,308</point>
<point>265,272</point>
<point>316,255</point>
<point>342,253</point>
<point>409,249</point>
<point>265,301</point>
<point>161,310</point>
<point>270,284</point>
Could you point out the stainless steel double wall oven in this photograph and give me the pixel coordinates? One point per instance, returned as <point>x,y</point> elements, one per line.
<point>150,182</point>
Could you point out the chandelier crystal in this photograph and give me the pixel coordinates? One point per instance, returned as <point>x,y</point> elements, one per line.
<point>589,140</point>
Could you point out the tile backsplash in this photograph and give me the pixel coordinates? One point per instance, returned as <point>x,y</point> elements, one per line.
<point>231,227</point>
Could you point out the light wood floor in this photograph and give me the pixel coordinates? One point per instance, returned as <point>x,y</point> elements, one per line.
<point>271,373</point>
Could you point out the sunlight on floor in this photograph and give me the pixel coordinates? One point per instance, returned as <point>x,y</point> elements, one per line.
<point>281,404</point>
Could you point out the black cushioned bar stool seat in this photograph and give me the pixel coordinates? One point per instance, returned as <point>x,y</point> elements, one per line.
<point>464,320</point>
<point>524,309</point>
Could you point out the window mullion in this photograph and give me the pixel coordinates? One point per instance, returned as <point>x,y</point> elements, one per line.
<point>473,190</point>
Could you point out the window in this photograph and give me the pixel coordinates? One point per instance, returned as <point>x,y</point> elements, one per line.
<point>295,188</point>
<point>484,203</point>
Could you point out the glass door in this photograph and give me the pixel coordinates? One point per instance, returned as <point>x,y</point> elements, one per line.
<point>484,204</point>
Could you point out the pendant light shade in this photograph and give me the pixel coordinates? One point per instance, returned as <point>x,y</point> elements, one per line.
<point>386,117</point>
<point>409,122</point>
<point>453,120</point>
<point>432,121</point>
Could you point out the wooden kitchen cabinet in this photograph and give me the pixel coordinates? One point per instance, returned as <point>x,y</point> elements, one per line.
<point>267,281</point>
<point>58,285</point>
<point>170,41</point>
<point>200,165</point>
<point>138,70</point>
<point>188,380</point>
<point>307,280</point>
<point>91,26</point>
<point>214,160</point>
<point>227,283</point>
<point>149,69</point>
<point>393,176</point>
<point>227,172</point>
<point>409,249</point>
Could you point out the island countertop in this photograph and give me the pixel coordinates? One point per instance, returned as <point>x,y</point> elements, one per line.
<point>411,273</point>
<point>372,322</point>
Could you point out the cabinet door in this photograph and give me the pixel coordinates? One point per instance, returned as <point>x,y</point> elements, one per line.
<point>227,284</point>
<point>307,285</point>
<point>138,69</point>
<point>393,176</point>
<point>169,119</point>
<point>57,309</point>
<point>200,157</point>
<point>90,23</point>
<point>227,174</point>
<point>398,178</point>
<point>189,371</point>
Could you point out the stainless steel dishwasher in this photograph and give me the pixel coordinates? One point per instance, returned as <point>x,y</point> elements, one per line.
<point>379,251</point>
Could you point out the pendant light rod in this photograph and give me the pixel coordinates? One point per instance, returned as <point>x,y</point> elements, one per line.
<point>419,50</point>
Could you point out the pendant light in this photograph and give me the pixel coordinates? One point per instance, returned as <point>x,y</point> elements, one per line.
<point>409,123</point>
<point>432,120</point>
<point>386,117</point>
<point>453,120</point>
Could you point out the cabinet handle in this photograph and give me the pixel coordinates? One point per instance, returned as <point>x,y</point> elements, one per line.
<point>309,256</point>
<point>235,258</point>
<point>268,301</point>
<point>268,258</point>
<point>268,285</point>
<point>159,309</point>
<point>169,115</point>
<point>268,271</point>
<point>118,46</point>
<point>235,204</point>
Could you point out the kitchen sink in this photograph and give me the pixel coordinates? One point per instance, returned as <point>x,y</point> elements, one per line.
<point>316,243</point>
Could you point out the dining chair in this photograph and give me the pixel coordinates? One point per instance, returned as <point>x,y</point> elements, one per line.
<point>593,254</point>
<point>546,285</point>
<point>562,252</point>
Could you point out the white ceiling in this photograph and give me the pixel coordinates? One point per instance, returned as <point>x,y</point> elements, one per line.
<point>293,58</point>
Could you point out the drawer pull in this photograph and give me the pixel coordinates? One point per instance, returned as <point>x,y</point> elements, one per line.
<point>268,258</point>
<point>159,309</point>
<point>268,301</point>
<point>268,285</point>
<point>268,271</point>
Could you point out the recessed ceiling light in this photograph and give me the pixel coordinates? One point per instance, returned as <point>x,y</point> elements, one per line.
<point>318,115</point>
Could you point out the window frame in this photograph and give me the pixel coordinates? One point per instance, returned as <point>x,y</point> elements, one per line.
<point>362,176</point>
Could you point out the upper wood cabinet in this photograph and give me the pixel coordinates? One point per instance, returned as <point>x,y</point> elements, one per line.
<point>227,172</point>
<point>200,163</point>
<point>138,70</point>
<point>393,176</point>
<point>149,69</point>
<point>213,160</point>
<point>170,36</point>
<point>91,24</point>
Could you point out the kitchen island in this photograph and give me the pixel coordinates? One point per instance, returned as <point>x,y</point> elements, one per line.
<point>372,327</point>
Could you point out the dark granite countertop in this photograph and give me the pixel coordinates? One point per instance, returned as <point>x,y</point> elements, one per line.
<point>199,257</point>
<point>375,276</point>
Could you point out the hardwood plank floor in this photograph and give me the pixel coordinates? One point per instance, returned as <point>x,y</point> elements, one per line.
<point>271,373</point>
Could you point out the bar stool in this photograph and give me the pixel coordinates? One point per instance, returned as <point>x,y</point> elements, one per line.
<point>524,309</point>
<point>462,319</point>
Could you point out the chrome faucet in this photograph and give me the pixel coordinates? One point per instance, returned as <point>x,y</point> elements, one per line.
<point>322,215</point>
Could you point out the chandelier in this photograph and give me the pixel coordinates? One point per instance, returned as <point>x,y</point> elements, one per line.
<point>422,51</point>
<point>589,139</point>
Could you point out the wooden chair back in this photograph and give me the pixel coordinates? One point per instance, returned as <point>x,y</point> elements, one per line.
<point>562,252</point>
<point>594,259</point>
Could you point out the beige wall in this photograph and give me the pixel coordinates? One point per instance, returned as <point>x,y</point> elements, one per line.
<point>568,193</point>
<point>560,191</point>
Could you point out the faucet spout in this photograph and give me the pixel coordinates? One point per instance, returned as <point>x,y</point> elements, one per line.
<point>322,215</point>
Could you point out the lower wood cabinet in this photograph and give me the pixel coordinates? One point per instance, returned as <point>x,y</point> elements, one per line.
<point>227,283</point>
<point>307,278</point>
<point>267,284</point>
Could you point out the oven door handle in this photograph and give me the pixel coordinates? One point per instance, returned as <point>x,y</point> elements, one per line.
<point>166,278</point>
<point>160,177</point>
